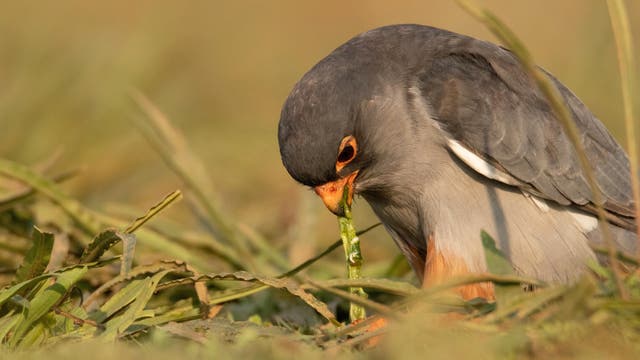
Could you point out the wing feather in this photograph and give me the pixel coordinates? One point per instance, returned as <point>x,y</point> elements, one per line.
<point>485,101</point>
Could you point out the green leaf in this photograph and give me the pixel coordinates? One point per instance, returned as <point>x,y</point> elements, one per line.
<point>497,263</point>
<point>44,300</point>
<point>143,290</point>
<point>138,271</point>
<point>36,335</point>
<point>120,300</point>
<point>37,258</point>
<point>6,294</point>
<point>7,323</point>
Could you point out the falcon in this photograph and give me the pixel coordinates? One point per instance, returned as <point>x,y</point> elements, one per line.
<point>444,136</point>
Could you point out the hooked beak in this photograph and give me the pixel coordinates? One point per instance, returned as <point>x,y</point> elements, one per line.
<point>331,193</point>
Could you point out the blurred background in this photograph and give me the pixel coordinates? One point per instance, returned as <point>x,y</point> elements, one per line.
<point>220,70</point>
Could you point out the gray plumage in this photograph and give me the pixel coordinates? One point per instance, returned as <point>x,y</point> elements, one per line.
<point>454,137</point>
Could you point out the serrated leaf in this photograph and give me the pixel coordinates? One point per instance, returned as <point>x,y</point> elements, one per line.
<point>389,286</point>
<point>173,265</point>
<point>37,258</point>
<point>153,211</point>
<point>91,265</point>
<point>100,244</point>
<point>279,283</point>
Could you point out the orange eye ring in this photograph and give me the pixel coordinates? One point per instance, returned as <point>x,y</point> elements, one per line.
<point>346,152</point>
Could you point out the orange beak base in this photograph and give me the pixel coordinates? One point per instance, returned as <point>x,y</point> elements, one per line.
<point>331,193</point>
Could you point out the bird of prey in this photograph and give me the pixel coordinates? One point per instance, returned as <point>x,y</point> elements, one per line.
<point>445,135</point>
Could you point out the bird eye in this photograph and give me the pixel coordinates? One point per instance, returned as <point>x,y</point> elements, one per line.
<point>346,152</point>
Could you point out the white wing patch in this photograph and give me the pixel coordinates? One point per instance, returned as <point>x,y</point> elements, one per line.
<point>480,165</point>
<point>586,223</point>
<point>541,204</point>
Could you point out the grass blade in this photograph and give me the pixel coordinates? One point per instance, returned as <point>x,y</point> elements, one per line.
<point>173,149</point>
<point>9,201</point>
<point>91,222</point>
<point>628,83</point>
<point>84,218</point>
<point>153,211</point>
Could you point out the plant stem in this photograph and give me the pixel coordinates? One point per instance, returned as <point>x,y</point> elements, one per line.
<point>351,244</point>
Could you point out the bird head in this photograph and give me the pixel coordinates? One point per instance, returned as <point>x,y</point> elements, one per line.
<point>338,123</point>
<point>319,136</point>
<point>347,126</point>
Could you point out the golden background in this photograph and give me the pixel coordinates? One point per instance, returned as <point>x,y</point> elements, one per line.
<point>220,70</point>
